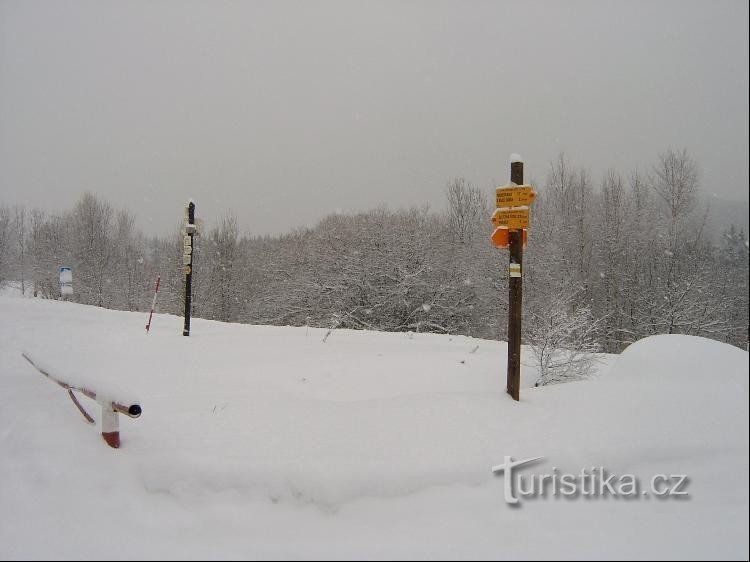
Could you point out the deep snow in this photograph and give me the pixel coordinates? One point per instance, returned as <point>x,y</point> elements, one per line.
<point>266,442</point>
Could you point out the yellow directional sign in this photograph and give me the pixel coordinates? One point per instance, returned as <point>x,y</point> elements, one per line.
<point>515,218</point>
<point>514,195</point>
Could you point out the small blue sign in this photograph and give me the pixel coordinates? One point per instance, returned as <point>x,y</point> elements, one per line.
<point>66,281</point>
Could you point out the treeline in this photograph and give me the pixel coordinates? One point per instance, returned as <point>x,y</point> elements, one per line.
<point>611,261</point>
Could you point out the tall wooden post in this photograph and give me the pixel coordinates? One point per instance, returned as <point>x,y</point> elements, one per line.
<point>515,295</point>
<point>187,261</point>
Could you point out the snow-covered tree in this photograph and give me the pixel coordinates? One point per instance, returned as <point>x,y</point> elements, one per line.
<point>93,248</point>
<point>562,336</point>
<point>219,278</point>
<point>467,207</point>
<point>5,245</point>
<point>674,179</point>
<point>128,270</point>
<point>20,225</point>
<point>631,256</point>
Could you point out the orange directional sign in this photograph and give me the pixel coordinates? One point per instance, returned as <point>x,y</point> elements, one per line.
<point>501,237</point>
<point>515,218</point>
<point>514,195</point>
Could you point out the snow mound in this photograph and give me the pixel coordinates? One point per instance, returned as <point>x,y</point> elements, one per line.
<point>684,359</point>
<point>669,400</point>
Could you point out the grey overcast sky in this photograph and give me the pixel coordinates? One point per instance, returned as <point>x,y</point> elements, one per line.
<point>282,112</point>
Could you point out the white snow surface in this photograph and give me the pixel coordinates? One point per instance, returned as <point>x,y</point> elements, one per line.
<point>266,442</point>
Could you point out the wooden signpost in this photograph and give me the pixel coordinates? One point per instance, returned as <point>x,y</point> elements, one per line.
<point>189,231</point>
<point>511,220</point>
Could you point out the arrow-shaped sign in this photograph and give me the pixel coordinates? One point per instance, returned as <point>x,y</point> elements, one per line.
<point>514,195</point>
<point>515,218</point>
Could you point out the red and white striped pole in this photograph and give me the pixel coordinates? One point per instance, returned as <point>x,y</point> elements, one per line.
<point>110,426</point>
<point>110,408</point>
<point>153,303</point>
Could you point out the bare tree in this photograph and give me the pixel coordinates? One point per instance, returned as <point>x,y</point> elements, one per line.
<point>5,243</point>
<point>20,225</point>
<point>611,246</point>
<point>93,248</point>
<point>675,181</point>
<point>559,190</point>
<point>466,205</point>
<point>128,265</point>
<point>49,248</point>
<point>220,256</point>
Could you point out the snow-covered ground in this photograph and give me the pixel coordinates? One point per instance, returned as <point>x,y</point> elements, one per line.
<point>266,442</point>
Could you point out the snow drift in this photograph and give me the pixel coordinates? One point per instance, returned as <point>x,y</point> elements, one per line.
<point>265,442</point>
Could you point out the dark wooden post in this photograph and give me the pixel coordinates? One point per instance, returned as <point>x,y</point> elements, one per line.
<point>515,295</point>
<point>188,265</point>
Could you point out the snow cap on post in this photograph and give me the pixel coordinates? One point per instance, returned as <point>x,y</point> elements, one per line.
<point>515,158</point>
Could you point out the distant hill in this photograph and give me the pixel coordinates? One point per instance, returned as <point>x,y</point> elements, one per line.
<point>724,212</point>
